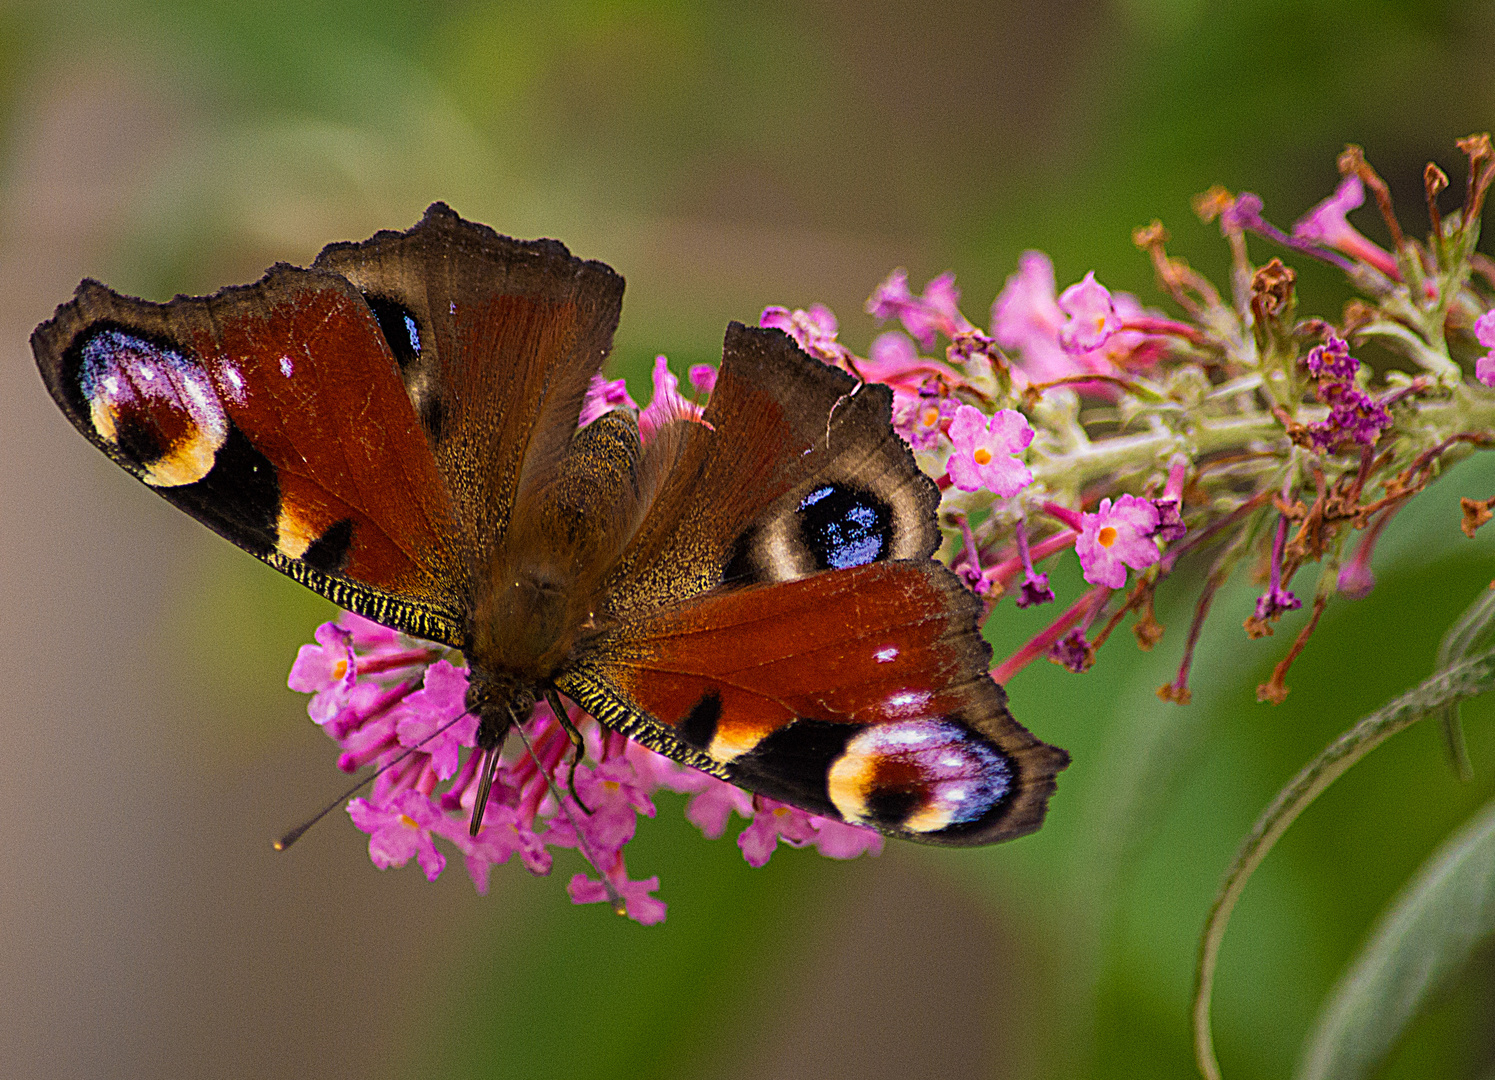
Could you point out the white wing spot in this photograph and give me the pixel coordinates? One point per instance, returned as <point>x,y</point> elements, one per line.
<point>287,368</point>
<point>906,703</point>
<point>886,655</point>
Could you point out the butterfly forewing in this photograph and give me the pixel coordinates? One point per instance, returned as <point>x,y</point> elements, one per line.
<point>780,428</point>
<point>274,414</point>
<point>496,341</point>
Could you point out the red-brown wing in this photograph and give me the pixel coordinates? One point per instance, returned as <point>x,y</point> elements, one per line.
<point>860,693</point>
<point>273,413</point>
<point>782,430</point>
<point>496,340</point>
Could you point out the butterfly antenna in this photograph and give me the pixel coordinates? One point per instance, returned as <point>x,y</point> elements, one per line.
<point>295,834</point>
<point>613,898</point>
<point>577,742</point>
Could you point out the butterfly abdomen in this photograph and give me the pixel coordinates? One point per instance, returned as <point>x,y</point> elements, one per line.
<point>571,526</point>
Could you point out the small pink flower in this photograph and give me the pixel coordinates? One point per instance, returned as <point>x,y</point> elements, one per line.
<point>667,404</point>
<point>1073,651</point>
<point>421,717</point>
<point>892,358</point>
<point>702,377</point>
<point>503,834</point>
<point>1326,224</point>
<point>327,670</point>
<point>1115,537</point>
<point>613,794</point>
<point>641,907</point>
<point>1026,317</point>
<point>603,396</point>
<point>1332,361</point>
<point>984,451</point>
<point>813,330</point>
<point>399,830</point>
<point>710,808</point>
<point>838,840</point>
<point>1080,334</point>
<point>773,821</point>
<point>936,311</point>
<point>1484,333</point>
<point>1354,416</point>
<point>921,417</point>
<point>369,635</point>
<point>657,771</point>
<point>922,405</point>
<point>1091,316</point>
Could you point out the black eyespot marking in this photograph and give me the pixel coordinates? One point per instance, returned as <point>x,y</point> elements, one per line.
<point>742,565</point>
<point>137,440</point>
<point>432,417</point>
<point>842,527</point>
<point>239,498</point>
<point>329,552</point>
<point>400,329</point>
<point>891,807</point>
<point>792,763</point>
<point>699,726</point>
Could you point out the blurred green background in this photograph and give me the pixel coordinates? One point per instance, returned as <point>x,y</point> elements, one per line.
<point>722,157</point>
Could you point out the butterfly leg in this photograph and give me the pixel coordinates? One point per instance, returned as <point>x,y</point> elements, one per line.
<point>578,744</point>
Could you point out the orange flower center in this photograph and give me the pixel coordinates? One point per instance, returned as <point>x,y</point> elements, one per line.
<point>982,456</point>
<point>1106,537</point>
<point>409,822</point>
<point>339,670</point>
<point>931,417</point>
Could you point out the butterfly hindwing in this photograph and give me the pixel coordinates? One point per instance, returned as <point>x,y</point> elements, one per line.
<point>274,414</point>
<point>860,693</point>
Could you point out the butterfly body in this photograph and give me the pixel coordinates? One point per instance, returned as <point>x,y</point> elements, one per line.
<point>751,592</point>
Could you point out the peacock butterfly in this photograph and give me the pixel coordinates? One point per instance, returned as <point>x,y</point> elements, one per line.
<point>753,594</point>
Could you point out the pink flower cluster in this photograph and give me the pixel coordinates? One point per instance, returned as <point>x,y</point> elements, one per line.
<point>390,701</point>
<point>1354,416</point>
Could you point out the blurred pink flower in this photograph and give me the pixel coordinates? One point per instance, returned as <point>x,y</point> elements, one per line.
<point>936,311</point>
<point>1081,333</point>
<point>1484,333</point>
<point>1326,224</point>
<point>814,330</point>
<point>1091,317</point>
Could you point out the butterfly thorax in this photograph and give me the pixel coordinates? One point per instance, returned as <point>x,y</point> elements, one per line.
<point>539,596</point>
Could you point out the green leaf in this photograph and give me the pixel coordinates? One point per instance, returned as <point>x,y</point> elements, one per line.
<point>1469,677</point>
<point>1421,941</point>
